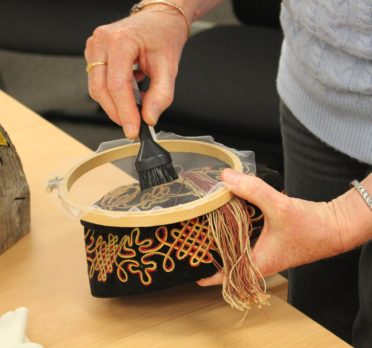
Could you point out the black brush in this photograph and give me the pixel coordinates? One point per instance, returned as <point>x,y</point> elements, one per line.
<point>153,163</point>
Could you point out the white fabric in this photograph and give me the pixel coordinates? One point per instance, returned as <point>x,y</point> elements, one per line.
<point>13,330</point>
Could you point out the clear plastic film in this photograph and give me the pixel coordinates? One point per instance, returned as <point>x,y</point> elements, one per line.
<point>112,187</point>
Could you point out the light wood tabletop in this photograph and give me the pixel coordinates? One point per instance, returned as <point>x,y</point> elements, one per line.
<point>46,272</point>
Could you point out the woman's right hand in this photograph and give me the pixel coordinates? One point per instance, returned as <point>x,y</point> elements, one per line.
<point>153,38</point>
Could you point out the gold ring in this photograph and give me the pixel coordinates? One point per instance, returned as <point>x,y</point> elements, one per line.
<point>90,66</point>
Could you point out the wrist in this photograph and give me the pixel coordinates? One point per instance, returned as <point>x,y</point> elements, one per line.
<point>194,9</point>
<point>353,217</point>
<point>170,7</point>
<point>188,7</point>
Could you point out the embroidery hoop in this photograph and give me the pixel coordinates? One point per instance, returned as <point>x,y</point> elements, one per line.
<point>164,216</point>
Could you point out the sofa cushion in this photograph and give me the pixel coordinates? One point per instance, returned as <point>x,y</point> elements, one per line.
<point>55,27</point>
<point>265,13</point>
<point>226,88</point>
<point>226,82</point>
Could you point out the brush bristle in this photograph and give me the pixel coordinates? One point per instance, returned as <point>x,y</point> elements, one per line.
<point>157,176</point>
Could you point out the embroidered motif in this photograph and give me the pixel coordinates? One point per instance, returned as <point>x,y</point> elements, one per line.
<point>190,186</point>
<point>141,253</point>
<point>133,255</point>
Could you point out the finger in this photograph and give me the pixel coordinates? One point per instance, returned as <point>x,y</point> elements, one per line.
<point>252,189</point>
<point>119,83</point>
<point>160,93</point>
<point>94,52</point>
<point>215,279</point>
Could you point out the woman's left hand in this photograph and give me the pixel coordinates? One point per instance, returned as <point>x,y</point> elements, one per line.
<point>295,231</point>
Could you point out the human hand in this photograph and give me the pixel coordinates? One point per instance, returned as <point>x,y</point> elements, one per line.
<point>153,38</point>
<point>295,231</point>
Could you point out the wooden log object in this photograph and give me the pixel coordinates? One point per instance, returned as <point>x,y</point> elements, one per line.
<point>14,195</point>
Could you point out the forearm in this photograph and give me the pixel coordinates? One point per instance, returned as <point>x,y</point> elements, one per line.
<point>353,216</point>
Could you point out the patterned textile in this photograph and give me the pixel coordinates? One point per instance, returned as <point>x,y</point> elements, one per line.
<point>134,260</point>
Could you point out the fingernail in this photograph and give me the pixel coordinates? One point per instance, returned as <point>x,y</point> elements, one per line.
<point>230,177</point>
<point>154,114</point>
<point>130,131</point>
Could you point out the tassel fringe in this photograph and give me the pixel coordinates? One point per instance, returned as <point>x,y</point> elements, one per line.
<point>231,227</point>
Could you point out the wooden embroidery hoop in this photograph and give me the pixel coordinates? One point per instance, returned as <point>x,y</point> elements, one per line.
<point>170,215</point>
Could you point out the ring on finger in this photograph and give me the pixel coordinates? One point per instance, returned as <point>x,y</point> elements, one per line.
<point>90,66</point>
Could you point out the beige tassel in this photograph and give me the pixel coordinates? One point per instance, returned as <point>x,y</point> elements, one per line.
<point>231,227</point>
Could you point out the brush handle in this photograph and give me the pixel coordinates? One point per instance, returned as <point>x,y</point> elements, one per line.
<point>144,133</point>
<point>137,93</point>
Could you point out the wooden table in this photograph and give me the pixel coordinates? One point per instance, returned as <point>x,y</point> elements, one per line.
<point>46,272</point>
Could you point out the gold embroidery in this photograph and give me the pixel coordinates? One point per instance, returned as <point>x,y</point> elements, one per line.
<point>3,141</point>
<point>191,241</point>
<point>124,198</point>
<point>135,256</point>
<point>191,185</point>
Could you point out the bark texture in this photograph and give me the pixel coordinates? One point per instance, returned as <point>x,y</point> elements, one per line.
<point>14,195</point>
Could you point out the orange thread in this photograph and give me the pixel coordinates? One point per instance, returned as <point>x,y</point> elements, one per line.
<point>191,241</point>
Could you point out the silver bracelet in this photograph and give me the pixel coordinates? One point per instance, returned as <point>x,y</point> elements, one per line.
<point>363,192</point>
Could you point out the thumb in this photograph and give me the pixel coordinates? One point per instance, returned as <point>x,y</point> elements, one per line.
<point>252,189</point>
<point>264,255</point>
<point>159,95</point>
